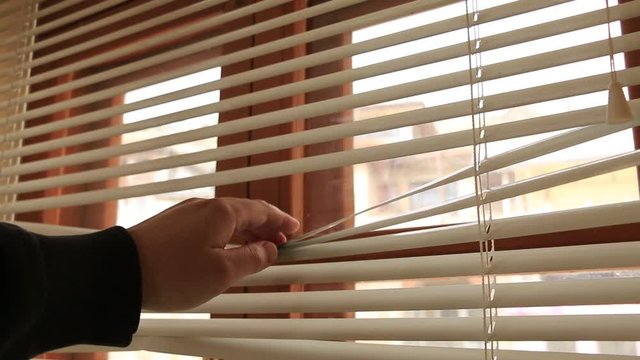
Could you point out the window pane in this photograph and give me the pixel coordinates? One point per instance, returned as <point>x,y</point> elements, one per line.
<point>379,181</point>
<point>134,210</point>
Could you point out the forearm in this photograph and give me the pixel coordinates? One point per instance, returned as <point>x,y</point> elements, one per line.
<point>59,291</point>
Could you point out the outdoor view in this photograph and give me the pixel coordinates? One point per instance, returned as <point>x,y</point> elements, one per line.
<point>397,176</point>
<point>379,181</point>
<point>132,211</point>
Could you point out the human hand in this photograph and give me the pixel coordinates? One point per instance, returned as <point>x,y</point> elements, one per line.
<point>182,252</point>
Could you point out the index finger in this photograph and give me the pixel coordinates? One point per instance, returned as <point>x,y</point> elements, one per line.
<point>262,219</point>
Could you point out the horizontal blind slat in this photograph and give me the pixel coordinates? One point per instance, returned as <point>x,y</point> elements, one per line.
<point>227,59</point>
<point>76,15</point>
<point>504,159</point>
<point>526,186</point>
<point>55,8</point>
<point>110,20</point>
<point>314,136</point>
<point>509,328</point>
<point>185,50</point>
<point>542,293</point>
<point>115,35</point>
<point>251,349</point>
<point>526,225</point>
<point>495,71</point>
<point>584,257</point>
<point>333,160</point>
<point>436,55</point>
<point>494,102</point>
<point>123,15</point>
<point>347,50</point>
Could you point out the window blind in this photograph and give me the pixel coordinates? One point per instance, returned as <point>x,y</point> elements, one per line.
<point>461,123</point>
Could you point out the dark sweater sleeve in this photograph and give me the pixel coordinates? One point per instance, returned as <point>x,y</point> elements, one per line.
<point>65,290</point>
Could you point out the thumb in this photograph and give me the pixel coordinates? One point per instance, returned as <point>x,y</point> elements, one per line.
<point>251,258</point>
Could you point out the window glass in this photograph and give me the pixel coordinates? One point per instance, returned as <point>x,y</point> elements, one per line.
<point>134,210</point>
<point>379,181</point>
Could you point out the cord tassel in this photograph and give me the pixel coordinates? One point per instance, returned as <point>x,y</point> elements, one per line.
<point>618,110</point>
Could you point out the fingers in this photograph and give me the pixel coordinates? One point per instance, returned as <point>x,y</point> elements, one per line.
<point>261,219</point>
<point>248,259</point>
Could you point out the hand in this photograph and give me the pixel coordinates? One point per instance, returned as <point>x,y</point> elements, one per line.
<point>182,252</point>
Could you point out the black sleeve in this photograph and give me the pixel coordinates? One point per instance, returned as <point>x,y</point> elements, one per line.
<point>65,290</point>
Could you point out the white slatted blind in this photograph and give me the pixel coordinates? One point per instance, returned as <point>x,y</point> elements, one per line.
<point>486,119</point>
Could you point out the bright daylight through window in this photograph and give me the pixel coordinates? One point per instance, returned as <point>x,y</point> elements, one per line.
<point>379,181</point>
<point>134,210</point>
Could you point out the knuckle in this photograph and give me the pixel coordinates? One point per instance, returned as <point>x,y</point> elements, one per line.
<point>220,207</point>
<point>190,202</point>
<point>264,203</point>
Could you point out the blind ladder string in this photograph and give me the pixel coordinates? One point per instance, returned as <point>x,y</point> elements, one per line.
<point>612,63</point>
<point>618,110</point>
<point>483,208</point>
